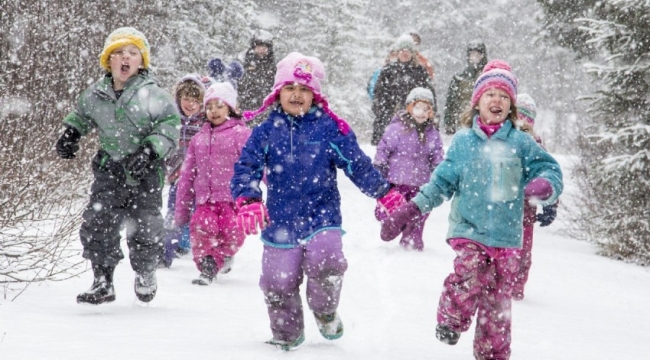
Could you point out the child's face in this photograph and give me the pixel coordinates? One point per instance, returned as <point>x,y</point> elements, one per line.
<point>421,111</point>
<point>217,112</point>
<point>494,106</point>
<point>296,99</point>
<point>190,105</point>
<point>524,125</point>
<point>124,63</point>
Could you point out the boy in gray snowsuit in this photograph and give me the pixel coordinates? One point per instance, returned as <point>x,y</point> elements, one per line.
<point>137,123</point>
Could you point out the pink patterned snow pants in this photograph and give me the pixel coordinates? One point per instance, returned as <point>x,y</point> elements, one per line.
<point>480,284</point>
<point>214,232</point>
<point>525,258</point>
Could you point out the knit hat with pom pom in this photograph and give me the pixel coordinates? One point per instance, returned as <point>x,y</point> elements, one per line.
<point>496,74</point>
<point>526,108</point>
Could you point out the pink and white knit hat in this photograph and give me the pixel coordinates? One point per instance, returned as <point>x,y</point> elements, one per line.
<point>309,71</point>
<point>526,108</point>
<point>223,91</point>
<point>496,74</point>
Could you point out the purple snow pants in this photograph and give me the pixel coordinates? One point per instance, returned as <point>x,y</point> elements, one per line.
<point>214,232</point>
<point>322,260</point>
<point>480,284</point>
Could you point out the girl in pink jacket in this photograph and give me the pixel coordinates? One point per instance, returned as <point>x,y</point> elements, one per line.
<point>205,181</point>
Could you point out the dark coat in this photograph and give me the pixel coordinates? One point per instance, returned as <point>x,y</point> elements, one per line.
<point>460,90</point>
<point>259,75</point>
<point>395,82</point>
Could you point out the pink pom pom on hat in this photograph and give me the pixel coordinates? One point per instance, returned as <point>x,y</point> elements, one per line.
<point>309,71</point>
<point>496,74</point>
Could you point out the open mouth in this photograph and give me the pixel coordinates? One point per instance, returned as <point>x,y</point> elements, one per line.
<point>496,110</point>
<point>125,68</point>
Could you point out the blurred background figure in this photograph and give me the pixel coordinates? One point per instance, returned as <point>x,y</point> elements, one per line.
<point>462,85</point>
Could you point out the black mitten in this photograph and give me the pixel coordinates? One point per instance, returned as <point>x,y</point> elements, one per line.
<point>139,163</point>
<point>549,212</point>
<point>67,145</point>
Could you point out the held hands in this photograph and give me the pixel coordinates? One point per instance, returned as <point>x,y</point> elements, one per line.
<point>399,220</point>
<point>67,145</point>
<point>391,201</point>
<point>139,163</point>
<point>549,212</point>
<point>251,213</point>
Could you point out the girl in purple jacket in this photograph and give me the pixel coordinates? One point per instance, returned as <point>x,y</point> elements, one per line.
<point>407,154</point>
<point>205,181</point>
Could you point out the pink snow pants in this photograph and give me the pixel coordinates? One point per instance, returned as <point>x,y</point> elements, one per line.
<point>480,284</point>
<point>214,232</point>
<point>525,261</point>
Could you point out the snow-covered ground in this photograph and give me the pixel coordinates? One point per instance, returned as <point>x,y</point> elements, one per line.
<point>578,305</point>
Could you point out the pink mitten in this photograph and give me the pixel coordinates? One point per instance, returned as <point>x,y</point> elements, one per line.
<point>251,213</point>
<point>399,220</point>
<point>538,189</point>
<point>391,201</point>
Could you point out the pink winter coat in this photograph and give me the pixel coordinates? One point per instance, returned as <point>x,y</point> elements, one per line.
<point>209,166</point>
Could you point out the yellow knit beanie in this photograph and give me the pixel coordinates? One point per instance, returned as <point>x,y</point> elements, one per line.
<point>122,37</point>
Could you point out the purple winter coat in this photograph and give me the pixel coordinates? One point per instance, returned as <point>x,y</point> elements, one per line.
<point>402,158</point>
<point>209,166</point>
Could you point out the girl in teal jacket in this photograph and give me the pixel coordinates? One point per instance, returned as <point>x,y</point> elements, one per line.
<point>488,170</point>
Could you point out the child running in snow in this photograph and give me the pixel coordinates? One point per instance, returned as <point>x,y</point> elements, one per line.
<point>407,154</point>
<point>204,181</point>
<point>488,170</point>
<point>527,111</point>
<point>189,92</point>
<point>299,148</point>
<point>137,124</point>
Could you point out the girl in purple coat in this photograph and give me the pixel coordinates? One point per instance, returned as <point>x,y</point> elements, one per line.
<point>205,180</point>
<point>407,154</point>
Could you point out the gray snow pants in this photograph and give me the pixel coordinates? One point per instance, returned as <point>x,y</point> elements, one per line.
<point>114,204</point>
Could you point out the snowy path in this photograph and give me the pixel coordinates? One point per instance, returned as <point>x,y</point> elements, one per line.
<point>578,306</point>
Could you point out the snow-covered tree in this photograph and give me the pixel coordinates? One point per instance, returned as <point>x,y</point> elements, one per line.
<point>615,153</point>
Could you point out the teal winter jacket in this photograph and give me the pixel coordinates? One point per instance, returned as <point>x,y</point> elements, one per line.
<point>486,178</point>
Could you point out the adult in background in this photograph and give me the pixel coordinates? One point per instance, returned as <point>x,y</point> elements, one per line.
<point>462,85</point>
<point>395,82</point>
<point>259,73</point>
<point>421,59</point>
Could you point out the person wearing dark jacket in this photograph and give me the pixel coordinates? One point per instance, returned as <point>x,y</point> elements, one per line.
<point>461,86</point>
<point>259,72</point>
<point>395,82</point>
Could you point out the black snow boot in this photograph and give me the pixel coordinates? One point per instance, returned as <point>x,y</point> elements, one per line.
<point>145,285</point>
<point>445,334</point>
<point>102,289</point>
<point>208,271</point>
